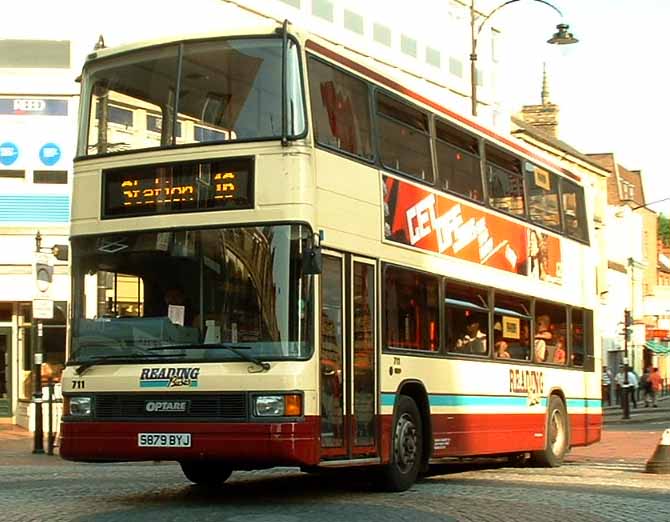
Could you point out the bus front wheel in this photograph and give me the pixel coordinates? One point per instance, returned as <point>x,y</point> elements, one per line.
<point>407,448</point>
<point>557,436</point>
<point>206,473</point>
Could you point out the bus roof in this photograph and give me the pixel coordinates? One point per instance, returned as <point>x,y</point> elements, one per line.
<point>344,55</point>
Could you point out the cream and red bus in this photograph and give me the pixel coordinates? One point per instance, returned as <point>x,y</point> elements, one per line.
<point>282,257</point>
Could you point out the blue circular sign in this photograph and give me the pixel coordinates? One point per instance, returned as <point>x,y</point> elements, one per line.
<point>49,154</point>
<point>9,152</point>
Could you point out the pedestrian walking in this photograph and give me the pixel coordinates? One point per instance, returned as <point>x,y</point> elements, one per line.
<point>655,386</point>
<point>607,386</point>
<point>645,386</point>
<point>630,388</point>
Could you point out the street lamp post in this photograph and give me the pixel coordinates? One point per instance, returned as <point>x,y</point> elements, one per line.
<point>625,399</point>
<point>561,37</point>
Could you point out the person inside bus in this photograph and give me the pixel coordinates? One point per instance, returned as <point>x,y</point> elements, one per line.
<point>520,348</point>
<point>474,340</point>
<point>501,349</point>
<point>500,345</point>
<point>559,351</point>
<point>177,308</point>
<point>543,336</point>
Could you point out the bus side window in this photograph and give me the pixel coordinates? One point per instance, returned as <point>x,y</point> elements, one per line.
<point>340,109</point>
<point>411,314</point>
<point>550,328</point>
<point>505,181</point>
<point>466,319</point>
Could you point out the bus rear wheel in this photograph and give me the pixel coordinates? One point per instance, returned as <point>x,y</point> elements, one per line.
<point>206,473</point>
<point>557,436</point>
<point>407,447</point>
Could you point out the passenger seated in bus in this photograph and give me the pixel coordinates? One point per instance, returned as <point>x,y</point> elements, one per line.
<point>177,308</point>
<point>543,336</point>
<point>501,350</point>
<point>520,348</point>
<point>474,340</point>
<point>559,351</point>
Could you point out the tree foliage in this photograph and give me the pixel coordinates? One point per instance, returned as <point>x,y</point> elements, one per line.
<point>664,229</point>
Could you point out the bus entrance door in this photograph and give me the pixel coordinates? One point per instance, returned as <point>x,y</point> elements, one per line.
<point>347,357</point>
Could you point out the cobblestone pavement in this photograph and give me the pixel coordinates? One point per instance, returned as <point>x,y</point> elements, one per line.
<point>595,489</point>
<point>604,482</point>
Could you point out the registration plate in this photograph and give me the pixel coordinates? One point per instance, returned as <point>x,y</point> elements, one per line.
<point>164,440</point>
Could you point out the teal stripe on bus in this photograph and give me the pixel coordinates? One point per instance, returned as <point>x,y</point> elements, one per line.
<point>584,403</point>
<point>388,399</point>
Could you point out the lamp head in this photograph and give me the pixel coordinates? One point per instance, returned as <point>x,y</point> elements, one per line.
<point>562,36</point>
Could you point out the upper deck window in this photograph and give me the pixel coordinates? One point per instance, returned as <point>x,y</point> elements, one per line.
<point>231,87</point>
<point>340,110</point>
<point>505,182</point>
<point>404,141</point>
<point>543,196</point>
<point>574,212</point>
<point>458,163</point>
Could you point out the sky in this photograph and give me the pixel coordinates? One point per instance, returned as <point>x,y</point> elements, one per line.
<point>612,87</point>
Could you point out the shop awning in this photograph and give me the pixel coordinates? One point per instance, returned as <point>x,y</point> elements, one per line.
<point>657,347</point>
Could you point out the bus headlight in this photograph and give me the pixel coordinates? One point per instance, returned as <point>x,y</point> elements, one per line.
<point>79,406</point>
<point>289,405</point>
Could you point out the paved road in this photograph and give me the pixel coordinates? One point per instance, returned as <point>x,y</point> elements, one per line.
<point>604,482</point>
<point>147,492</point>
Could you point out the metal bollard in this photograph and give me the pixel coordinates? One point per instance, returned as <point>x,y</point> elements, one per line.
<point>50,436</point>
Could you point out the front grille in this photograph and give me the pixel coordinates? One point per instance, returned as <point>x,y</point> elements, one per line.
<point>220,406</point>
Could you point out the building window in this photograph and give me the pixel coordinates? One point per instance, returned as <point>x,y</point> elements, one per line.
<point>54,177</point>
<point>408,45</point>
<point>155,124</point>
<point>455,67</point>
<point>42,54</point>
<point>353,22</point>
<point>381,34</point>
<point>116,115</point>
<point>15,174</point>
<point>432,57</point>
<point>323,9</point>
<point>203,134</point>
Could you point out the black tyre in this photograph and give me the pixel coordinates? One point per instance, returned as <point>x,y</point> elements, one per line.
<point>406,446</point>
<point>557,436</point>
<point>206,473</point>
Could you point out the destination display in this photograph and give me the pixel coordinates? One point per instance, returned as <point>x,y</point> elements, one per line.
<point>178,187</point>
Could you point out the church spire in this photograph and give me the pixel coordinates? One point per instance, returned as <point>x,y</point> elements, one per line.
<point>545,115</point>
<point>545,85</point>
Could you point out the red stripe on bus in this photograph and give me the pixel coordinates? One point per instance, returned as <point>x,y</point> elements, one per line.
<point>418,97</point>
<point>246,444</point>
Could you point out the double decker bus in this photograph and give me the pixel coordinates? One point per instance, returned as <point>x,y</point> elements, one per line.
<point>280,256</point>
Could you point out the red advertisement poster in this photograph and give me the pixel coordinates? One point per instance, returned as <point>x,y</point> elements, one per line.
<point>437,223</point>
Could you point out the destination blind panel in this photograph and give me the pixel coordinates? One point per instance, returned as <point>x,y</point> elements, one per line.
<point>178,187</point>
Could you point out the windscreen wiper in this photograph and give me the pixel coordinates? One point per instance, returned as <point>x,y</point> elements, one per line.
<point>265,366</point>
<point>120,358</point>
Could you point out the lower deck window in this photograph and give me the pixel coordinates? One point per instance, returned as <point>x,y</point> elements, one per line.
<point>411,310</point>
